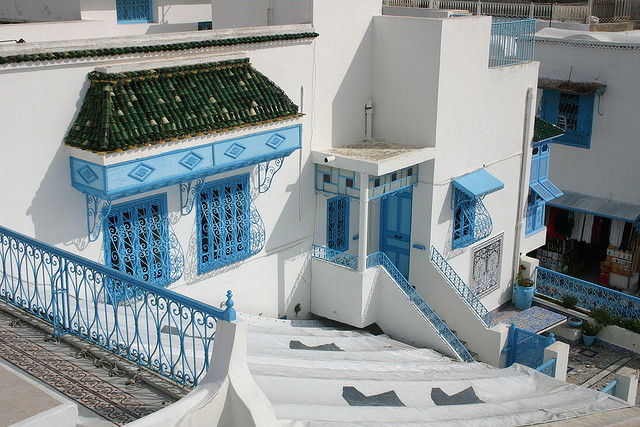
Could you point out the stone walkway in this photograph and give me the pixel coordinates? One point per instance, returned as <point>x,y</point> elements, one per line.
<point>108,390</point>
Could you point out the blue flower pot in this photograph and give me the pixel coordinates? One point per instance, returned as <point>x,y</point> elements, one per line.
<point>588,339</point>
<point>522,296</point>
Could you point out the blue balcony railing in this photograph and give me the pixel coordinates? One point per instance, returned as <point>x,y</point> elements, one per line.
<point>548,368</point>
<point>154,327</point>
<point>610,388</point>
<point>467,295</point>
<point>379,258</point>
<point>588,295</point>
<point>512,41</point>
<point>335,257</point>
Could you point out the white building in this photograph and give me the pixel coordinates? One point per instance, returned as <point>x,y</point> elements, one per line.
<point>588,85</point>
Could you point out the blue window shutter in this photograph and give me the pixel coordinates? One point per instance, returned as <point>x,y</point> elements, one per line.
<point>535,167</point>
<point>549,105</point>
<point>543,170</point>
<point>585,120</point>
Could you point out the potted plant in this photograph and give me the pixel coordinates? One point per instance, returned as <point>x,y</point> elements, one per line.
<point>523,291</point>
<point>589,332</point>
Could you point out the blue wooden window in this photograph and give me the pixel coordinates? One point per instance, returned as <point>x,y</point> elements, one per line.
<point>224,225</point>
<point>338,223</point>
<point>571,112</point>
<point>464,212</point>
<point>134,11</point>
<point>137,239</point>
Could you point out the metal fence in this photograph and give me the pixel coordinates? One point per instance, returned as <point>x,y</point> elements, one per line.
<point>460,287</point>
<point>336,257</point>
<point>588,295</point>
<point>154,327</point>
<point>381,259</point>
<point>610,388</point>
<point>512,42</point>
<point>527,348</point>
<point>548,368</point>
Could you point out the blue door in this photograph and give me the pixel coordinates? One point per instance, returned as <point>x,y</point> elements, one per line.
<point>395,229</point>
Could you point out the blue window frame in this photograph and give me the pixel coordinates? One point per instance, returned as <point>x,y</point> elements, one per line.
<point>541,190</point>
<point>137,239</point>
<point>464,212</point>
<point>571,112</point>
<point>134,11</point>
<point>338,223</point>
<point>224,223</point>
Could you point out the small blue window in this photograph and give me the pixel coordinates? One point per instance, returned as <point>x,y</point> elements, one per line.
<point>137,239</point>
<point>571,112</point>
<point>224,223</point>
<point>338,223</point>
<point>134,11</point>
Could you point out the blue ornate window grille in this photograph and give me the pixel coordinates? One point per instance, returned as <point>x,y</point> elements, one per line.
<point>338,223</point>
<point>139,242</point>
<point>471,221</point>
<point>224,223</point>
<point>134,11</point>
<point>485,272</point>
<point>571,112</point>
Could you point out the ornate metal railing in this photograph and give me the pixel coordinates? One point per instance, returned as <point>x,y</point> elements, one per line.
<point>158,329</point>
<point>548,368</point>
<point>588,295</point>
<point>527,348</point>
<point>335,257</point>
<point>379,258</point>
<point>511,42</point>
<point>467,295</point>
<point>610,388</point>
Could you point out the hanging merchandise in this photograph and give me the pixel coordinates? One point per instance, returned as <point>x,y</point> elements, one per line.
<point>617,228</point>
<point>588,226</point>
<point>595,230</point>
<point>576,231</point>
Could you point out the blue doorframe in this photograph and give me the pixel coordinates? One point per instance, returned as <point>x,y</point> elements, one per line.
<point>395,229</point>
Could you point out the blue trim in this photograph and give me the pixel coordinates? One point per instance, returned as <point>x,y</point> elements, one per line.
<point>477,184</point>
<point>134,11</point>
<point>576,122</point>
<point>224,223</point>
<point>421,247</point>
<point>114,181</point>
<point>338,223</point>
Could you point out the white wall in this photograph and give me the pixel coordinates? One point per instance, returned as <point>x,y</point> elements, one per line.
<point>39,103</point>
<point>257,13</point>
<point>31,11</point>
<point>609,169</point>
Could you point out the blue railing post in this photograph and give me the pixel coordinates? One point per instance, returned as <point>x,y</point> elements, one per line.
<point>229,312</point>
<point>512,344</point>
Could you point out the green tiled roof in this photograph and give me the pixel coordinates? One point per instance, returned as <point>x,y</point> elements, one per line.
<point>128,50</point>
<point>132,109</point>
<point>543,130</point>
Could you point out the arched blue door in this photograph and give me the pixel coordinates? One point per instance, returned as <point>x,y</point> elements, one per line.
<point>395,229</point>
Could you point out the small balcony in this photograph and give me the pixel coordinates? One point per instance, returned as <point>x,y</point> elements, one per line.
<point>512,41</point>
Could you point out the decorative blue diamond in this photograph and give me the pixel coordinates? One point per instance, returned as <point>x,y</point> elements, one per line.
<point>141,172</point>
<point>275,141</point>
<point>235,150</point>
<point>87,174</point>
<point>190,160</point>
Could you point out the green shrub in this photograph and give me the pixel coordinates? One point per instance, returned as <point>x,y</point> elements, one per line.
<point>590,329</point>
<point>569,301</point>
<point>602,316</point>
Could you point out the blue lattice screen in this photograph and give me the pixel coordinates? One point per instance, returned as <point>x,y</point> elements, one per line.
<point>338,223</point>
<point>527,348</point>
<point>134,11</point>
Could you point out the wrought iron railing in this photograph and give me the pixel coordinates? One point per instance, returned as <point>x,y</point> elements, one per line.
<point>158,329</point>
<point>588,295</point>
<point>335,257</point>
<point>548,368</point>
<point>511,42</point>
<point>379,258</point>
<point>610,388</point>
<point>467,295</point>
<point>527,348</point>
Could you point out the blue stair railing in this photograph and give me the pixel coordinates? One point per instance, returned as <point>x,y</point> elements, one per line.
<point>381,259</point>
<point>158,329</point>
<point>467,295</point>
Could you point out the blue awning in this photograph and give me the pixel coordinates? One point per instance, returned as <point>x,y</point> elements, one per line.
<point>478,183</point>
<point>545,189</point>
